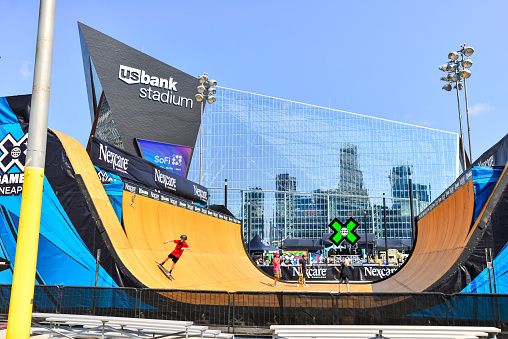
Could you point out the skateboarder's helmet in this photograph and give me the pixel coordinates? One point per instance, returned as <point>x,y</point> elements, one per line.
<point>183,236</point>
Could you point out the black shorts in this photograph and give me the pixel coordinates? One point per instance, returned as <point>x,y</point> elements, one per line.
<point>172,257</point>
<point>344,280</point>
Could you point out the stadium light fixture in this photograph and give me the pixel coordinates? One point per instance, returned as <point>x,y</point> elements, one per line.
<point>203,78</point>
<point>205,94</point>
<point>201,88</point>
<point>451,67</point>
<point>467,63</point>
<point>453,55</point>
<point>199,97</point>
<point>447,87</point>
<point>468,51</point>
<point>465,73</point>
<point>454,76</point>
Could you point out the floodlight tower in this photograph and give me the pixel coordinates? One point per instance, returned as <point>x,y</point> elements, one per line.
<point>206,92</point>
<point>458,72</point>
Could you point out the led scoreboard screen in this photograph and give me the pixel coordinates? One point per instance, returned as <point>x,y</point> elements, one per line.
<point>173,158</point>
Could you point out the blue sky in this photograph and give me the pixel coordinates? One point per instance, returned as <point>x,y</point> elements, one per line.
<point>378,58</point>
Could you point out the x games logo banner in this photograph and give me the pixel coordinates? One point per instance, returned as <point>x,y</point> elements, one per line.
<point>12,160</point>
<point>345,231</point>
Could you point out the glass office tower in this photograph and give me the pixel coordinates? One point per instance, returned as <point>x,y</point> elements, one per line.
<point>297,166</point>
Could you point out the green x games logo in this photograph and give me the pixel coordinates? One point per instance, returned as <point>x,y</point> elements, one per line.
<point>343,232</point>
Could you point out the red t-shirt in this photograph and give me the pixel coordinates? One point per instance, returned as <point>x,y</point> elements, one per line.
<point>177,252</point>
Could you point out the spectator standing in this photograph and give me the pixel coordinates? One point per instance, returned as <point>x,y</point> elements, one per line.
<point>277,273</point>
<point>343,273</point>
<point>303,271</point>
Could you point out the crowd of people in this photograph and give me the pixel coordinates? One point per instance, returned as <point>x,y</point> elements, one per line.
<point>343,271</point>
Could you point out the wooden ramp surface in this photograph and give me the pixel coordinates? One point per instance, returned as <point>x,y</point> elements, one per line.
<point>217,259</point>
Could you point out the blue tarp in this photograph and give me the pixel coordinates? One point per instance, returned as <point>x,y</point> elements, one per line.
<point>484,180</point>
<point>481,283</point>
<point>113,185</point>
<point>63,258</point>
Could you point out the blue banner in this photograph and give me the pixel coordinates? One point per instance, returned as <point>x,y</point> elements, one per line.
<point>173,158</point>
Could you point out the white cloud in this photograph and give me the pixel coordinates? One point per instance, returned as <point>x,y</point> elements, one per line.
<point>480,108</point>
<point>410,119</point>
<point>25,69</point>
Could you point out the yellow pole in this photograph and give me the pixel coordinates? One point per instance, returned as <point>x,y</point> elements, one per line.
<point>23,282</point>
<point>20,310</point>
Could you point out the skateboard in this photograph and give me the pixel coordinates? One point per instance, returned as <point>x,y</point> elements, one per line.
<point>165,271</point>
<point>300,279</point>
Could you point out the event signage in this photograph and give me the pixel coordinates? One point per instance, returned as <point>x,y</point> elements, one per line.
<point>147,98</point>
<point>324,273</point>
<point>378,272</point>
<point>127,166</point>
<point>12,159</point>
<point>173,158</point>
<point>343,232</point>
<point>160,196</point>
<point>497,155</point>
<point>163,87</point>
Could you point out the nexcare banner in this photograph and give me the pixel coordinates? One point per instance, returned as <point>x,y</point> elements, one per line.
<point>497,155</point>
<point>173,158</point>
<point>329,274</point>
<point>125,165</point>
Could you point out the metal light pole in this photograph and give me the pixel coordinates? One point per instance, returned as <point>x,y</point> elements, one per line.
<point>386,232</point>
<point>248,225</point>
<point>461,134</point>
<point>366,238</point>
<point>226,193</point>
<point>458,73</point>
<point>205,92</point>
<point>468,128</point>
<point>21,302</point>
<point>411,199</point>
<point>201,145</point>
<point>467,63</point>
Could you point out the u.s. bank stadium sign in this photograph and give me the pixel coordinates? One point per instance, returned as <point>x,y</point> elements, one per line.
<point>147,98</point>
<point>161,89</point>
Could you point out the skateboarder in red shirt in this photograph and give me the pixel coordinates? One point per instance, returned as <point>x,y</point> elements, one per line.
<point>181,245</point>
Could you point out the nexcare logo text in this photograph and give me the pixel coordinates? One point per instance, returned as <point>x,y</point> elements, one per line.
<point>118,162</point>
<point>156,86</point>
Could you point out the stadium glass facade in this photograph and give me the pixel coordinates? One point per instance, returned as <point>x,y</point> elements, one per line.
<point>299,166</point>
<point>296,167</point>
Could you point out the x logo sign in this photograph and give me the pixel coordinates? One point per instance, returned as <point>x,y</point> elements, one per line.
<point>342,232</point>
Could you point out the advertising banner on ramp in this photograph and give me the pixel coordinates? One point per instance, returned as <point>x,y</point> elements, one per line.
<point>125,165</point>
<point>325,273</point>
<point>497,155</point>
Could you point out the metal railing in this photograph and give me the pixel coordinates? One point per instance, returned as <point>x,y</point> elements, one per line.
<point>262,309</point>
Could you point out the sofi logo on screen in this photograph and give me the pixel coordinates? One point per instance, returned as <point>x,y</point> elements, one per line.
<point>159,89</point>
<point>173,158</point>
